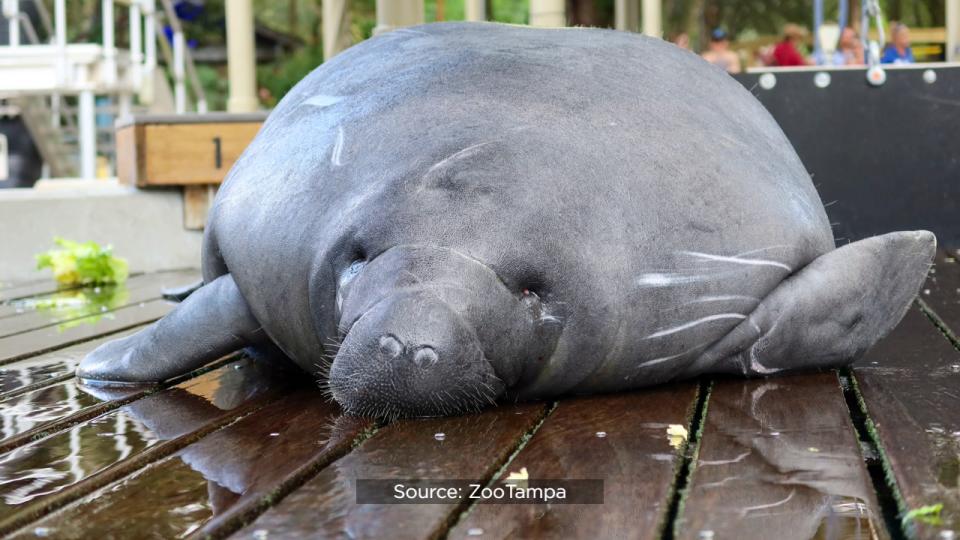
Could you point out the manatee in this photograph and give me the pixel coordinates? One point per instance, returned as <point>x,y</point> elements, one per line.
<point>459,214</point>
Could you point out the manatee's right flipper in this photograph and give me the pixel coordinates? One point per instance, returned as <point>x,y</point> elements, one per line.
<point>179,294</point>
<point>830,312</point>
<point>212,322</point>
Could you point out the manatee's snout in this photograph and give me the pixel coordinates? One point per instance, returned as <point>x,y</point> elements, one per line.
<point>412,355</point>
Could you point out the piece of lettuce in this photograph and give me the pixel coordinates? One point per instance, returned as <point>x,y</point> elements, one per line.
<point>83,263</point>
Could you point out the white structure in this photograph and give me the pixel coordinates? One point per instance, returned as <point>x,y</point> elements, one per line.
<point>37,75</point>
<point>393,14</point>
<point>551,13</point>
<point>627,16</point>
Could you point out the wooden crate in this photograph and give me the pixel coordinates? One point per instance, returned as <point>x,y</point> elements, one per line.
<point>182,150</point>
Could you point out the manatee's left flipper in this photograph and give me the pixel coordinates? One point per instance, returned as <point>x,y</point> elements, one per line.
<point>830,312</point>
<point>179,294</point>
<point>212,322</point>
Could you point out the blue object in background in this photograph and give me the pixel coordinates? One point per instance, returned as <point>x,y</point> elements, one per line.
<point>188,10</point>
<point>892,56</point>
<point>168,32</point>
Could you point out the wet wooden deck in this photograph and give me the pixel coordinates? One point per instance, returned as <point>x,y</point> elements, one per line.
<point>238,450</point>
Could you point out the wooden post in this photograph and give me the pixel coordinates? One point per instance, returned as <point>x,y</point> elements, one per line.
<point>548,13</point>
<point>241,56</point>
<point>336,27</point>
<point>627,15</point>
<point>475,10</point>
<point>393,14</point>
<point>652,24</point>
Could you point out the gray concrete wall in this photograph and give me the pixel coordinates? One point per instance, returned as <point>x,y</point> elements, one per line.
<point>145,227</point>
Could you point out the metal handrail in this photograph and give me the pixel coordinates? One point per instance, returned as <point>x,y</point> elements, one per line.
<point>44,17</point>
<point>191,70</point>
<point>27,25</point>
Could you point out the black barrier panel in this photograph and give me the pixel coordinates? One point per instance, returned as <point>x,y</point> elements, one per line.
<point>883,158</point>
<point>24,163</point>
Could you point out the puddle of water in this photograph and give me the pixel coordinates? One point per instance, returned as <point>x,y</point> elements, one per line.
<point>48,465</point>
<point>76,306</point>
<point>42,406</point>
<point>41,368</point>
<point>244,461</point>
<point>808,481</point>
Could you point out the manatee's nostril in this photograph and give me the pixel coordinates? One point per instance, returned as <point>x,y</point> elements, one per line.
<point>426,356</point>
<point>390,346</point>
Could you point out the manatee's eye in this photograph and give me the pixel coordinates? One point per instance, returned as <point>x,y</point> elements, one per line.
<point>425,356</point>
<point>529,297</point>
<point>351,271</point>
<point>390,346</point>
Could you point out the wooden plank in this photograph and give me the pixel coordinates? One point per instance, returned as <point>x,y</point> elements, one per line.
<point>633,456</point>
<point>43,340</point>
<point>197,201</point>
<point>780,456</point>
<point>32,415</point>
<point>32,412</point>
<point>28,304</point>
<point>30,288</point>
<point>129,155</point>
<point>69,465</point>
<point>79,303</point>
<point>941,292</point>
<point>910,387</point>
<point>472,447</point>
<point>219,478</point>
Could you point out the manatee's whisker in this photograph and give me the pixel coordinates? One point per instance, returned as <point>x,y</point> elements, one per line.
<point>737,260</point>
<point>697,322</point>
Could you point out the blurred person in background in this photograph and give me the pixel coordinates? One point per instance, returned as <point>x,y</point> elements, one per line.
<point>787,52</point>
<point>681,39</point>
<point>719,53</point>
<point>849,49</point>
<point>898,51</point>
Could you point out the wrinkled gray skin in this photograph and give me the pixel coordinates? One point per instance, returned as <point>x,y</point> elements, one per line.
<point>462,213</point>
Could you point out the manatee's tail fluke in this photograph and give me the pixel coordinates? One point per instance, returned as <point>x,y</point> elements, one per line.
<point>830,312</point>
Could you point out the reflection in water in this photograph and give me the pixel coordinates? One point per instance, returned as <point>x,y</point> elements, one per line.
<point>27,372</point>
<point>242,462</point>
<point>770,461</point>
<point>50,464</point>
<point>41,406</point>
<point>75,306</point>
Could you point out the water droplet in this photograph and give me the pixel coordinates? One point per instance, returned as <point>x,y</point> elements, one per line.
<point>774,433</point>
<point>260,534</point>
<point>275,434</point>
<point>601,434</point>
<point>706,535</point>
<point>142,304</point>
<point>96,290</point>
<point>955,368</point>
<point>439,436</point>
<point>813,449</point>
<point>926,292</point>
<point>476,531</point>
<point>42,531</point>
